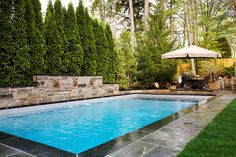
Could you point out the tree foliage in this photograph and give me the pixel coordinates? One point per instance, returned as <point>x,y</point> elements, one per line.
<point>111,55</point>
<point>63,44</point>
<point>102,49</point>
<point>213,20</point>
<point>6,47</point>
<point>54,43</point>
<point>35,41</point>
<point>125,60</point>
<point>73,57</point>
<point>85,29</point>
<point>59,20</point>
<point>38,15</point>
<point>224,47</point>
<point>151,67</point>
<point>20,74</point>
<point>138,7</point>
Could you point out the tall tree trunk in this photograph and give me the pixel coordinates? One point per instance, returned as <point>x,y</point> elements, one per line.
<point>171,17</point>
<point>103,18</point>
<point>192,22</point>
<point>100,7</point>
<point>185,26</point>
<point>146,13</point>
<point>193,16</point>
<point>195,21</point>
<point>189,29</point>
<point>194,32</point>
<point>132,23</point>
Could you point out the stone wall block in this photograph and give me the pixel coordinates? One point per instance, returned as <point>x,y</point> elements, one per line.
<point>59,88</point>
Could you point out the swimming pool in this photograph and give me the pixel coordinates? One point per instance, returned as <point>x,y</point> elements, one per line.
<point>81,125</point>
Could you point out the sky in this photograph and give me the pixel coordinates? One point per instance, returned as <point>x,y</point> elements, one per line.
<point>65,3</point>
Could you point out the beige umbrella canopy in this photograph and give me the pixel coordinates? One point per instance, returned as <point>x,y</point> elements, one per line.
<point>191,52</point>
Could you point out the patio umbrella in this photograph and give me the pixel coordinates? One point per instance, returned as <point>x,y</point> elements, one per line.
<point>191,52</point>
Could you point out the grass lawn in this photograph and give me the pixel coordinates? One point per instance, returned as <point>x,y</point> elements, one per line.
<point>217,139</point>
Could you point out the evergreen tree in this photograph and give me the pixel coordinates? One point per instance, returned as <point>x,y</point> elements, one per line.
<point>146,66</point>
<point>59,19</point>
<point>101,46</point>
<point>38,14</point>
<point>64,13</point>
<point>35,41</point>
<point>20,74</point>
<point>49,12</point>
<point>6,46</point>
<point>120,69</point>
<point>151,67</point>
<point>54,43</point>
<point>111,55</point>
<point>88,42</point>
<point>74,55</point>
<point>224,47</point>
<point>125,60</point>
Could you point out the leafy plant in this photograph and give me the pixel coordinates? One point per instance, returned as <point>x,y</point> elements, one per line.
<point>125,60</point>
<point>229,71</point>
<point>207,67</point>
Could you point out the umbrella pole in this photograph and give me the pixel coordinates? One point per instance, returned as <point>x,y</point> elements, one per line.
<point>193,70</point>
<point>196,60</point>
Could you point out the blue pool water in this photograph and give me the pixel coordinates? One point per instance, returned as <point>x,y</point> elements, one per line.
<point>81,127</point>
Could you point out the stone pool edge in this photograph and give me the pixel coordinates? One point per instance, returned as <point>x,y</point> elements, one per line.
<point>114,95</point>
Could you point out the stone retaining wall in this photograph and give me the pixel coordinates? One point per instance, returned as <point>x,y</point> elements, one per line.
<point>58,88</point>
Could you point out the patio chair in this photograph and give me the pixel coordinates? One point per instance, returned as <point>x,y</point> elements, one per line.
<point>186,82</point>
<point>206,80</point>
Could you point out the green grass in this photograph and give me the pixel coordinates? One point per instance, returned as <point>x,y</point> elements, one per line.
<point>217,139</point>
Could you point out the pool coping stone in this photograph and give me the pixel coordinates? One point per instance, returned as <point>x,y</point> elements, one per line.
<point>107,96</point>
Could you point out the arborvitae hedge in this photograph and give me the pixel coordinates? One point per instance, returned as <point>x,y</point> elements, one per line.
<point>38,14</point>
<point>59,20</point>
<point>65,43</point>
<point>20,74</point>
<point>35,41</point>
<point>6,47</point>
<point>54,43</point>
<point>74,55</point>
<point>88,42</point>
<point>111,55</point>
<point>64,13</point>
<point>102,51</point>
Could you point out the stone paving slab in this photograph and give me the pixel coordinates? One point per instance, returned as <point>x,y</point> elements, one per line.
<point>171,139</point>
<point>135,149</point>
<point>161,151</point>
<point>35,148</point>
<point>7,151</point>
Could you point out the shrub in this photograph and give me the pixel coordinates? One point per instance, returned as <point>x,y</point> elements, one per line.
<point>229,71</point>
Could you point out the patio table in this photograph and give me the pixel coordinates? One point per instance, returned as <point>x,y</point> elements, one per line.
<point>197,83</point>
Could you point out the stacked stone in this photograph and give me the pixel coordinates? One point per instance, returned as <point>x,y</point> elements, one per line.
<point>50,89</point>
